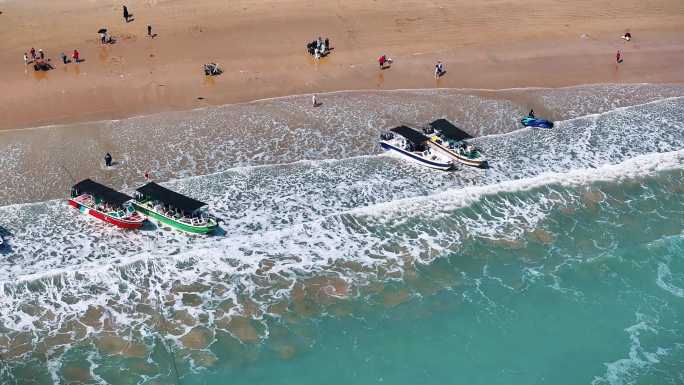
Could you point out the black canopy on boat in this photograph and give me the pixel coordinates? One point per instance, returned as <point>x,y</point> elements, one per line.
<point>99,191</point>
<point>410,134</point>
<point>447,129</point>
<point>171,198</point>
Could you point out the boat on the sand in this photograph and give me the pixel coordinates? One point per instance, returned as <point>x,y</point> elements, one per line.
<point>413,145</point>
<point>106,204</point>
<point>451,141</point>
<point>174,209</point>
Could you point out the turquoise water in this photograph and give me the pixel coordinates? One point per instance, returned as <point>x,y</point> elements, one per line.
<point>603,303</point>
<point>561,264</point>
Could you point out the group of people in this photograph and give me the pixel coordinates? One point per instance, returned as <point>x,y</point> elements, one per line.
<point>319,47</point>
<point>41,63</point>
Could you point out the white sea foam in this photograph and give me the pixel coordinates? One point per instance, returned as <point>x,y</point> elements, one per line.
<point>664,281</point>
<point>291,220</point>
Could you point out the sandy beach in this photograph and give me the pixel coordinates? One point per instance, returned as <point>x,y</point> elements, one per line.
<point>261,47</point>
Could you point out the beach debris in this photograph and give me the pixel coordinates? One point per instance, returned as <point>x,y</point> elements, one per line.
<point>212,69</point>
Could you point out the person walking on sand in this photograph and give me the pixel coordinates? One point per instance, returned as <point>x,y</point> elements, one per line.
<point>125,13</point>
<point>76,56</point>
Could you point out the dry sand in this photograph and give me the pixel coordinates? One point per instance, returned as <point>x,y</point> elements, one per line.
<point>261,46</point>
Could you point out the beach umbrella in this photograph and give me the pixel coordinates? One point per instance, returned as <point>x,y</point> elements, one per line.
<point>102,30</point>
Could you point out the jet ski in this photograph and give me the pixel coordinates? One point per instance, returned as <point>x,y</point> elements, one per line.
<point>531,121</point>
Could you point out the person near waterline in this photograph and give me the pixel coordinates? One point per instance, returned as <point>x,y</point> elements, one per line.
<point>125,13</point>
<point>531,114</point>
<point>439,69</point>
<point>108,159</point>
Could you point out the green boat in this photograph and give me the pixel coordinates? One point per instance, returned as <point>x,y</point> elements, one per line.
<point>174,209</point>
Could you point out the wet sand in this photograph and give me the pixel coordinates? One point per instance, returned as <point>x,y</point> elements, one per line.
<point>261,46</point>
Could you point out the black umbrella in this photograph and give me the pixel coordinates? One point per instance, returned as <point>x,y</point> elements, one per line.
<point>102,30</point>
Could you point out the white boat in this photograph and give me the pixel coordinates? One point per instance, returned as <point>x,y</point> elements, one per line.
<point>450,140</point>
<point>414,146</point>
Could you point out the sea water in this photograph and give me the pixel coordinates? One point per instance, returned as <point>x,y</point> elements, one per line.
<point>563,263</point>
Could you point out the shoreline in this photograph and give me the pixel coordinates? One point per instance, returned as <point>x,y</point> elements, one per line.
<point>473,91</point>
<point>261,49</point>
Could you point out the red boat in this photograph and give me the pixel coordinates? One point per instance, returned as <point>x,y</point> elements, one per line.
<point>106,204</point>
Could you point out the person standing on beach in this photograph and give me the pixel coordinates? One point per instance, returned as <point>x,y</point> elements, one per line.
<point>63,57</point>
<point>33,53</point>
<point>439,69</point>
<point>125,13</point>
<point>314,102</point>
<point>618,57</point>
<point>149,30</point>
<point>76,56</point>
<point>25,59</point>
<point>41,53</point>
<point>108,159</point>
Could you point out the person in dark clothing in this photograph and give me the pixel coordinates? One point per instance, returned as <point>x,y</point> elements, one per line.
<point>149,30</point>
<point>531,114</point>
<point>125,13</point>
<point>108,159</point>
<point>327,43</point>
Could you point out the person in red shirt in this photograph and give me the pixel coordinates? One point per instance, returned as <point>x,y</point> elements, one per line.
<point>75,56</point>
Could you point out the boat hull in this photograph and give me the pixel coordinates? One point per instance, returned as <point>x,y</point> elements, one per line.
<point>482,163</point>
<point>415,158</point>
<point>118,222</point>
<point>143,209</point>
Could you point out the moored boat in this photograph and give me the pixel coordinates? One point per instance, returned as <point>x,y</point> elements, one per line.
<point>414,146</point>
<point>451,140</point>
<point>174,209</point>
<point>106,204</point>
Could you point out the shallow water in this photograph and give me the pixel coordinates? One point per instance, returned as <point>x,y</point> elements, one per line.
<point>562,263</point>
